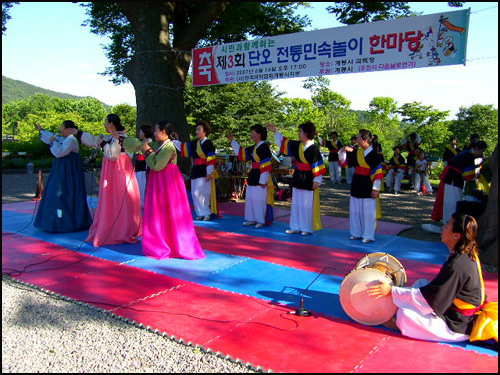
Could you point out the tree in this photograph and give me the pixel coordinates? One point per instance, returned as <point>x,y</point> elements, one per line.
<point>384,121</point>
<point>232,108</point>
<point>479,119</point>
<point>429,123</point>
<point>352,12</point>
<point>152,42</point>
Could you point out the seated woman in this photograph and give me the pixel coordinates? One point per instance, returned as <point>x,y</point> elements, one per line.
<point>63,207</point>
<point>442,310</point>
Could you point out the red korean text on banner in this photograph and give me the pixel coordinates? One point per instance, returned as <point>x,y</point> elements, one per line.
<point>203,67</point>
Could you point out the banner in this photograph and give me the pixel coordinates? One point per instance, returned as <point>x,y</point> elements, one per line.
<point>406,43</point>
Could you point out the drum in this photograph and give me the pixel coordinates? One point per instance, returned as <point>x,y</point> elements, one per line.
<point>353,295</point>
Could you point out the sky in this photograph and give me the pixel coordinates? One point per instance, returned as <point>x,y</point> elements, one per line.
<point>46,46</point>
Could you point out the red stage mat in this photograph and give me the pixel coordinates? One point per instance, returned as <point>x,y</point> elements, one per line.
<point>314,258</point>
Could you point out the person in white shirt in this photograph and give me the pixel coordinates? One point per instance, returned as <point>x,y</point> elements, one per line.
<point>63,207</point>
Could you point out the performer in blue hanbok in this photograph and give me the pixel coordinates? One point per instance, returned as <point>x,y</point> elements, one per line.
<point>63,207</point>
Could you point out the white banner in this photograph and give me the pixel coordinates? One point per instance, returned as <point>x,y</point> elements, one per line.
<point>405,43</point>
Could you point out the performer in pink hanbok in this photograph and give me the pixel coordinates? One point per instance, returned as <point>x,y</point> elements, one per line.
<point>117,218</point>
<point>168,230</point>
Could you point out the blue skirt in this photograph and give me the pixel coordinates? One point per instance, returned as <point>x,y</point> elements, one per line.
<point>63,207</point>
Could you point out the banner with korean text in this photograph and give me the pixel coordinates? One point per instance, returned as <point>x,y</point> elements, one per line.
<point>406,43</point>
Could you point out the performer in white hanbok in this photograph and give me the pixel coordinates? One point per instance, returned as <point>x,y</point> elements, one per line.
<point>364,205</point>
<point>203,173</point>
<point>305,211</point>
<point>259,196</point>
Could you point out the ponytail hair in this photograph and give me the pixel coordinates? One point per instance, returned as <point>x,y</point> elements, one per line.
<point>466,226</point>
<point>115,119</point>
<point>166,126</point>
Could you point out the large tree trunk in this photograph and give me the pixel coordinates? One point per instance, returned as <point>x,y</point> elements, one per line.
<point>158,70</point>
<point>488,224</point>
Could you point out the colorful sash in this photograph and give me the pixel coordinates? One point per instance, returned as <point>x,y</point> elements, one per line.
<point>317,169</point>
<point>265,166</point>
<point>452,150</point>
<point>208,159</point>
<point>486,325</point>
<point>375,173</point>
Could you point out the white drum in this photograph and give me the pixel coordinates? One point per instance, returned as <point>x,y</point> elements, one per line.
<point>353,295</point>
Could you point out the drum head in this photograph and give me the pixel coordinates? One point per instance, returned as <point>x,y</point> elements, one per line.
<point>385,262</point>
<point>356,302</point>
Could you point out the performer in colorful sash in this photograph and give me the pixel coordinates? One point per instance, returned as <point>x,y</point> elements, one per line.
<point>145,135</point>
<point>333,147</point>
<point>442,310</point>
<point>168,230</point>
<point>117,218</point>
<point>259,196</point>
<point>397,168</point>
<point>459,173</point>
<point>364,206</point>
<point>63,207</point>
<point>203,172</point>
<point>450,151</point>
<point>305,212</point>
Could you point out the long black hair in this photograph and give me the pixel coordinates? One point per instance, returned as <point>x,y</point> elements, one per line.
<point>115,119</point>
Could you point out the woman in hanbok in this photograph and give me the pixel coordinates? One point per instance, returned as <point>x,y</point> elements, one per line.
<point>305,213</point>
<point>443,309</point>
<point>117,218</point>
<point>168,230</point>
<point>203,172</point>
<point>63,207</point>
<point>259,195</point>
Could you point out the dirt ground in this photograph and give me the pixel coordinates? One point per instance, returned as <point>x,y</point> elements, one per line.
<point>406,208</point>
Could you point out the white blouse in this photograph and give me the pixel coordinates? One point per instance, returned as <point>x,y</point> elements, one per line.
<point>60,146</point>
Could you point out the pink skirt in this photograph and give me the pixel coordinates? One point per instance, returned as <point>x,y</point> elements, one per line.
<point>168,230</point>
<point>117,218</point>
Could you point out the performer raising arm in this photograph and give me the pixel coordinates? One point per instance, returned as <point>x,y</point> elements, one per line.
<point>305,212</point>
<point>117,218</point>
<point>365,186</point>
<point>260,190</point>
<point>63,207</point>
<point>203,173</point>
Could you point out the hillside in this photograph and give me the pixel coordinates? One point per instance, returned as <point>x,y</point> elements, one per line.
<point>13,90</point>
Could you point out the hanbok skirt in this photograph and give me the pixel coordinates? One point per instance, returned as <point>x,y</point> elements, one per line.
<point>168,230</point>
<point>63,207</point>
<point>117,217</point>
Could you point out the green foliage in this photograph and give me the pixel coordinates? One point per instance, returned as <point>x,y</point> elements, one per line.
<point>127,115</point>
<point>232,108</point>
<point>18,118</point>
<point>360,12</point>
<point>429,123</point>
<point>383,122</point>
<point>480,119</point>
<point>6,14</point>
